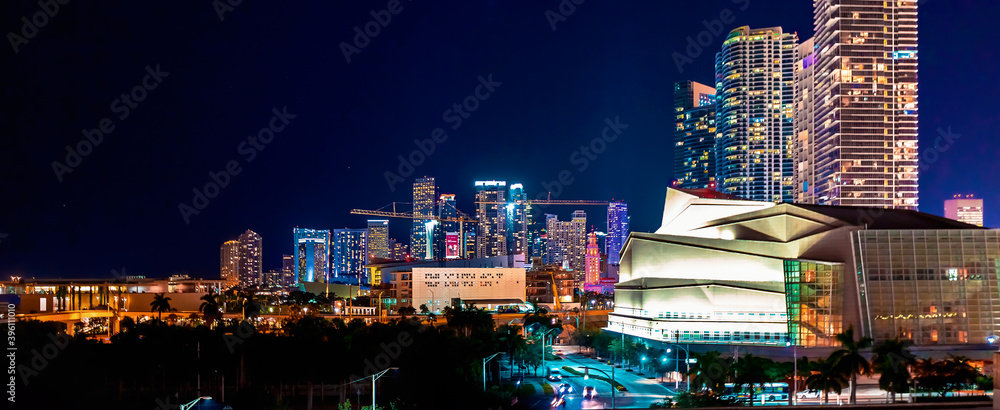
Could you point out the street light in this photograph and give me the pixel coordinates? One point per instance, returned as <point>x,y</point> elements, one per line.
<point>190,405</point>
<point>792,400</point>
<point>642,363</point>
<point>586,376</point>
<point>486,359</point>
<point>376,377</point>
<point>543,350</point>
<point>687,361</point>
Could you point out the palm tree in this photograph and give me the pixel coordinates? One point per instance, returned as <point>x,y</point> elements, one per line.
<point>431,317</point>
<point>160,304</point>
<point>424,309</point>
<point>892,361</point>
<point>826,377</point>
<point>210,307</point>
<point>849,359</point>
<point>753,371</point>
<point>406,310</point>
<point>710,371</point>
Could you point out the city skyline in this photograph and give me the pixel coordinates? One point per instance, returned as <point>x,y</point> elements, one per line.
<point>546,100</point>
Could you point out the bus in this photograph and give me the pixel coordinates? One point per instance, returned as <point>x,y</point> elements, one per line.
<point>769,392</point>
<point>508,309</point>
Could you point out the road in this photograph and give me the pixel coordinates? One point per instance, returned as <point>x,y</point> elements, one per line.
<point>641,391</point>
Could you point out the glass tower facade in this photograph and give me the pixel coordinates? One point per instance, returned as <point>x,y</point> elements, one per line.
<point>517,221</point>
<point>378,239</point>
<point>312,253</point>
<point>866,112</point>
<point>813,298</point>
<point>617,231</point>
<point>491,212</point>
<point>349,248</point>
<point>694,135</point>
<point>754,75</point>
<point>424,196</point>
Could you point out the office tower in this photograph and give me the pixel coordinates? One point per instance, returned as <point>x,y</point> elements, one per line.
<point>424,195</point>
<point>491,231</point>
<point>378,239</point>
<point>349,252</point>
<point>593,261</point>
<point>803,138</point>
<point>964,208</point>
<point>312,251</point>
<point>470,244</point>
<point>567,241</point>
<point>754,83</point>
<point>251,265</point>
<point>517,221</point>
<point>399,250</point>
<point>866,103</point>
<point>617,231</point>
<point>229,260</point>
<point>446,209</point>
<point>287,270</point>
<point>694,135</point>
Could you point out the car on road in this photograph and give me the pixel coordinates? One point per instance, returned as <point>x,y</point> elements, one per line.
<point>808,394</point>
<point>565,388</point>
<point>589,393</point>
<point>554,377</point>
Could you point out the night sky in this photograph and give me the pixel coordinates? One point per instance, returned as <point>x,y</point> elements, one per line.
<point>221,78</point>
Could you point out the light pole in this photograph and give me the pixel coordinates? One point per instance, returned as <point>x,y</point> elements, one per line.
<point>190,405</point>
<point>376,377</point>
<point>792,400</point>
<point>677,356</point>
<point>486,359</point>
<point>642,363</point>
<point>664,360</point>
<point>543,350</point>
<point>586,376</point>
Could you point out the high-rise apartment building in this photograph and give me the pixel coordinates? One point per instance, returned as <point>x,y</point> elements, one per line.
<point>491,212</point>
<point>287,270</point>
<point>593,260</point>
<point>312,253</point>
<point>446,208</point>
<point>377,239</point>
<point>567,241</point>
<point>755,74</point>
<point>517,221</point>
<point>964,208</point>
<point>694,135</point>
<point>399,250</point>
<point>617,231</point>
<point>866,103</point>
<point>229,261</point>
<point>349,251</point>
<point>251,264</point>
<point>424,196</point>
<point>803,139</point>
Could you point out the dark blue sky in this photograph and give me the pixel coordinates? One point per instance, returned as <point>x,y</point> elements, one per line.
<point>119,205</point>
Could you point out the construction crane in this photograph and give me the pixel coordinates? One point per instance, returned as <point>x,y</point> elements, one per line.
<point>462,219</point>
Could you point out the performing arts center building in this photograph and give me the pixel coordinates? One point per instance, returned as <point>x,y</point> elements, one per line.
<point>721,270</point>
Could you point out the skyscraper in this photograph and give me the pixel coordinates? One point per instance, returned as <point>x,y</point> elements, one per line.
<point>312,253</point>
<point>251,265</point>
<point>349,251</point>
<point>517,221</point>
<point>491,231</point>
<point>424,196</point>
<point>446,229</point>
<point>694,135</point>
<point>378,239</point>
<point>964,208</point>
<point>866,103</point>
<point>287,270</point>
<point>803,139</point>
<point>617,231</point>
<point>754,82</point>
<point>593,274</point>
<point>229,263</point>
<point>567,241</point>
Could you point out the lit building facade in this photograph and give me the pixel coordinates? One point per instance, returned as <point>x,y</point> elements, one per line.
<point>377,239</point>
<point>312,254</point>
<point>424,196</point>
<point>694,135</point>
<point>803,139</point>
<point>349,251</point>
<point>491,212</point>
<point>866,113</point>
<point>567,241</point>
<point>445,229</point>
<point>722,270</point>
<point>251,263</point>
<point>517,221</point>
<point>229,261</point>
<point>287,270</point>
<point>486,287</point>
<point>964,209</point>
<point>755,74</point>
<point>593,260</point>
<point>617,231</point>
